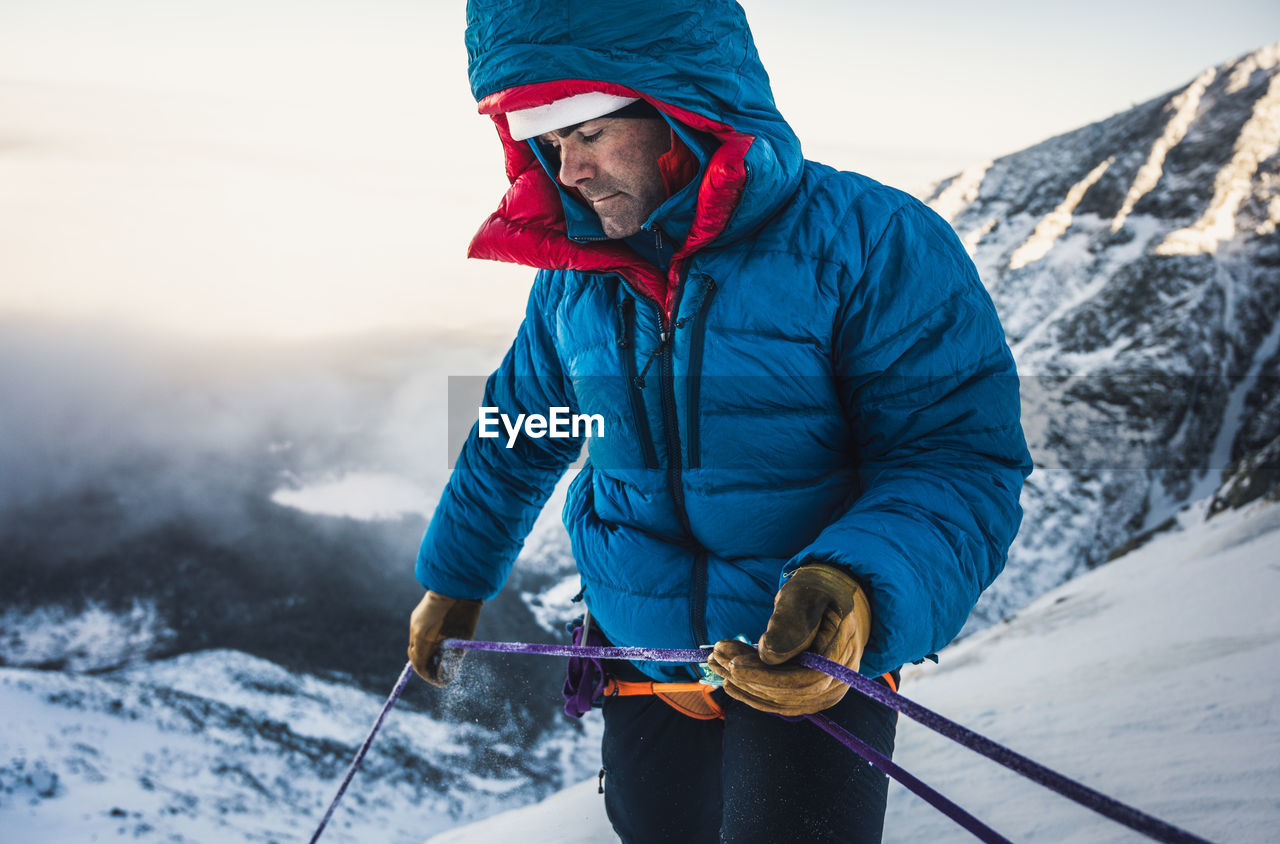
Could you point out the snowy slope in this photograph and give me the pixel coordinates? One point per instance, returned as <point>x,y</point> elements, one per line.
<point>1153,679</point>
<point>223,746</point>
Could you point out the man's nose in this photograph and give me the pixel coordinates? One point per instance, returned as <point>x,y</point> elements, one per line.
<point>575,167</point>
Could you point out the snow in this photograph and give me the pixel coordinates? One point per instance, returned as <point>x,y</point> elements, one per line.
<point>1056,222</point>
<point>554,606</point>
<point>973,238</point>
<point>1259,140</point>
<point>221,746</point>
<point>1153,679</point>
<point>1184,107</point>
<point>1080,284</point>
<point>572,816</point>
<point>277,694</point>
<point>961,193</point>
<point>1268,226</point>
<point>358,495</point>
<point>1235,414</point>
<point>92,638</point>
<point>1262,59</point>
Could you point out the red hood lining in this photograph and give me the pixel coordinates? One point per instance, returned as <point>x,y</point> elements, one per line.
<point>529,226</point>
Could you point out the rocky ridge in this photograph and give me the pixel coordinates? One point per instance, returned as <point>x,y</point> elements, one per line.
<point>1135,264</point>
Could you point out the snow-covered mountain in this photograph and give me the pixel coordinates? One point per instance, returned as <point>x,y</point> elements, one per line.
<point>1135,264</point>
<point>198,625</point>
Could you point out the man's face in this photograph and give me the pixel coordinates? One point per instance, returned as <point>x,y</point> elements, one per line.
<point>613,162</point>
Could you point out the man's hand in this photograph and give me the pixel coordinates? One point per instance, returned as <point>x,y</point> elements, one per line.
<point>820,609</point>
<point>436,618</point>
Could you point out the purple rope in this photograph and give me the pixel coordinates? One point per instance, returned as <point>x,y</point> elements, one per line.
<point>364,748</point>
<point>848,739</point>
<point>1150,826</point>
<point>594,651</point>
<point>892,769</point>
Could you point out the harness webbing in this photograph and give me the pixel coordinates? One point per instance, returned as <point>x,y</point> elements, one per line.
<point>1148,825</point>
<point>692,698</point>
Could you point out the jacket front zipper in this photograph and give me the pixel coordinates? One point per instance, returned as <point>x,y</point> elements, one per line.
<point>670,419</point>
<point>698,600</point>
<point>675,460</point>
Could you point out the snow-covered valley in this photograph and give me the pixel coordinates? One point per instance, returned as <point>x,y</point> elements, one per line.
<point>219,746</point>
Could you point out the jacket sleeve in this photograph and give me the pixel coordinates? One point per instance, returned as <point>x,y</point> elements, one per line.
<point>929,388</point>
<point>495,493</point>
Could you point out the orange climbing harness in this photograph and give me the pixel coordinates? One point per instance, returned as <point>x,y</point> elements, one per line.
<point>693,699</point>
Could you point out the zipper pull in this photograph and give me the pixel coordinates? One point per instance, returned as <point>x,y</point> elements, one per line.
<point>625,311</point>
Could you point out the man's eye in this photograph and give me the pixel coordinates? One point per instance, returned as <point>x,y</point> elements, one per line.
<point>591,139</point>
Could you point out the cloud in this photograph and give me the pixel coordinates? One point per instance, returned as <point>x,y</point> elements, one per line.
<point>160,424</point>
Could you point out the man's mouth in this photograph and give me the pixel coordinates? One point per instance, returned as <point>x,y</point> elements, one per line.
<point>603,198</point>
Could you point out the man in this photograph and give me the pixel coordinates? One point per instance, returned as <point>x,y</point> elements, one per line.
<point>811,416</point>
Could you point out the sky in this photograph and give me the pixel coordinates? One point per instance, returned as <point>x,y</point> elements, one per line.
<point>286,169</point>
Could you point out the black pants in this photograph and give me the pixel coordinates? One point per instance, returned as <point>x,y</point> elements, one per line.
<point>752,777</point>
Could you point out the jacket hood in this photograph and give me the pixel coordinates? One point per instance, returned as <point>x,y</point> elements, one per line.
<point>695,61</point>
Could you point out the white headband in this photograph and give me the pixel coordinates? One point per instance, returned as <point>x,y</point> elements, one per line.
<point>570,111</point>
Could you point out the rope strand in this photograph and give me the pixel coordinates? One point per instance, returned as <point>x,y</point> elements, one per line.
<point>1106,806</point>
<point>364,748</point>
<point>1148,825</point>
<point>908,780</point>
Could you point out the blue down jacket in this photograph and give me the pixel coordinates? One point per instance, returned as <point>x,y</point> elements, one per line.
<point>827,379</point>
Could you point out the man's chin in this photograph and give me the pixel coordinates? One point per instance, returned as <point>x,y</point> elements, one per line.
<point>617,229</point>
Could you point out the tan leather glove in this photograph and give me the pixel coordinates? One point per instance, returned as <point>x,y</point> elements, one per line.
<point>820,609</point>
<point>436,618</point>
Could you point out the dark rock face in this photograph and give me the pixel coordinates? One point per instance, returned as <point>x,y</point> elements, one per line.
<point>1257,476</point>
<point>1133,263</point>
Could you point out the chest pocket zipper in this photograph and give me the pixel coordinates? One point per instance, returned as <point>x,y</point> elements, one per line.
<point>626,345</point>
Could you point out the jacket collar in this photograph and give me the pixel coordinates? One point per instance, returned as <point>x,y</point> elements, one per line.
<point>530,225</point>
